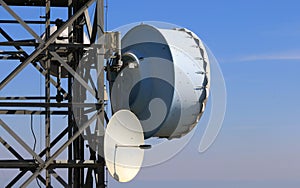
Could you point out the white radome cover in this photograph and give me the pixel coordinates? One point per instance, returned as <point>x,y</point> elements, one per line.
<point>190,69</point>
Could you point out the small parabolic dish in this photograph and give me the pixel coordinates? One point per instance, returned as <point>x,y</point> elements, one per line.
<point>122,146</point>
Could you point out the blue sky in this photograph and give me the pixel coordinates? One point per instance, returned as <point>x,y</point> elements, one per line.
<point>257,45</point>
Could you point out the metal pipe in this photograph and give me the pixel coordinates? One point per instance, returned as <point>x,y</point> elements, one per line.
<point>39,68</point>
<point>73,73</point>
<point>47,94</point>
<point>70,110</point>
<point>21,174</point>
<point>43,46</point>
<point>31,112</point>
<point>59,151</point>
<point>51,105</point>
<point>24,98</point>
<point>21,142</point>
<point>100,32</point>
<point>26,21</point>
<point>13,14</point>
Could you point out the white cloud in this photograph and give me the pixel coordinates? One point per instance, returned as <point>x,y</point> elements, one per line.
<point>288,55</point>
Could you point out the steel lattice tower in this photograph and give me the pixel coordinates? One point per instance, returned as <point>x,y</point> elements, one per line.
<point>82,172</point>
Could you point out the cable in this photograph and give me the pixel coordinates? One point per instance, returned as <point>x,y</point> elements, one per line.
<point>32,131</point>
<point>40,91</point>
<point>106,177</point>
<point>36,179</point>
<point>106,14</point>
<point>34,144</point>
